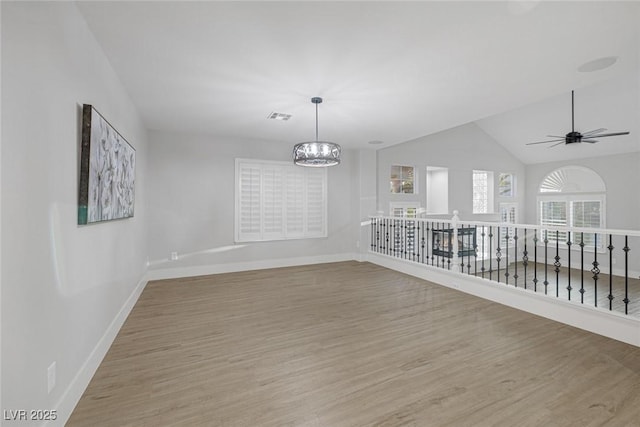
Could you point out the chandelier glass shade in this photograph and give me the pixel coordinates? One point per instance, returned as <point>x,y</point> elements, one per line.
<point>316,153</point>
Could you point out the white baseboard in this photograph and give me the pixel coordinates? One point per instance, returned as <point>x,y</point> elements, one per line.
<point>73,393</point>
<point>204,270</point>
<point>603,322</point>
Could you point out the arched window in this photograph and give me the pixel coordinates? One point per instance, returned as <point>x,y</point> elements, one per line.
<point>572,196</point>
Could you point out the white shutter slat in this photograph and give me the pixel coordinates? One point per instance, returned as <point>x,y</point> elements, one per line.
<point>295,203</point>
<point>248,202</point>
<point>316,202</point>
<point>273,203</point>
<point>276,201</point>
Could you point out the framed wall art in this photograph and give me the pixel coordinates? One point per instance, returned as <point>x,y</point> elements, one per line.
<point>107,171</point>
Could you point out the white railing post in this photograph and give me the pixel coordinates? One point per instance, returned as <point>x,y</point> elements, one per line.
<point>455,259</point>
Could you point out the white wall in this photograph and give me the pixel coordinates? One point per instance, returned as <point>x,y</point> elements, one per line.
<point>63,286</point>
<point>366,189</point>
<point>461,150</point>
<point>191,207</point>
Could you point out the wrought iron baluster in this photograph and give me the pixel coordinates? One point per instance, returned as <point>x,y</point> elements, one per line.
<point>413,241</point>
<point>595,270</point>
<point>515,256</point>
<point>535,261</point>
<point>490,252</point>
<point>417,241</point>
<point>498,255</point>
<point>386,230</point>
<point>546,264</point>
<point>626,275</point>
<point>468,236</point>
<point>405,233</point>
<point>569,265</point>
<point>393,236</point>
<point>506,251</point>
<point>371,234</point>
<point>399,238</point>
<point>442,259</point>
<point>482,269</point>
<point>461,237</point>
<point>378,221</point>
<point>425,238</point>
<point>475,252</point>
<point>557,264</point>
<point>582,291</point>
<point>525,258</point>
<point>450,236</point>
<point>434,242</point>
<point>610,248</point>
<point>378,240</point>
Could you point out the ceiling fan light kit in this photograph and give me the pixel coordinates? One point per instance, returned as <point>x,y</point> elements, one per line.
<point>577,137</point>
<point>316,153</point>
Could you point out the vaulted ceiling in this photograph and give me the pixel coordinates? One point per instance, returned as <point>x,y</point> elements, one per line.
<point>388,71</point>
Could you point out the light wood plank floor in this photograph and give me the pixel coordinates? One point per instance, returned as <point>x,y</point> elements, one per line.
<point>351,344</point>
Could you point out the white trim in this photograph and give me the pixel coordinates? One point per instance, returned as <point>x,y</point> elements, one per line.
<point>204,270</point>
<point>71,396</point>
<point>614,231</point>
<point>603,322</point>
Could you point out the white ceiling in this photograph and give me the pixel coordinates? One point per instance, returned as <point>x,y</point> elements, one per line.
<point>388,71</point>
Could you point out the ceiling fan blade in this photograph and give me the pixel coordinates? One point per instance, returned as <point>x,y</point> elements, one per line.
<point>590,141</point>
<point>556,136</point>
<point>572,114</point>
<point>609,134</point>
<point>557,143</point>
<point>591,132</point>
<point>544,142</point>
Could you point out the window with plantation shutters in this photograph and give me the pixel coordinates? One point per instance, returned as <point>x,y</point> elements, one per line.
<point>279,201</point>
<point>572,196</point>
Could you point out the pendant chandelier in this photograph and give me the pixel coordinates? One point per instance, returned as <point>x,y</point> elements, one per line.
<point>316,153</point>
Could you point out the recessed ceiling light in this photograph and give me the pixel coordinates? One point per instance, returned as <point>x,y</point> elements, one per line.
<point>376,142</point>
<point>279,116</point>
<point>598,64</point>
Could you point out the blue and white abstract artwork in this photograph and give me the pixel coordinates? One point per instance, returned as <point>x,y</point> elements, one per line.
<point>107,171</point>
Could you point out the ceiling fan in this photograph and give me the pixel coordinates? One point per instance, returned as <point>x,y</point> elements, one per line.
<point>575,137</point>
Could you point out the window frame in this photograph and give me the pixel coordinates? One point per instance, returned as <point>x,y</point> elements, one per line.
<point>401,179</point>
<point>512,184</point>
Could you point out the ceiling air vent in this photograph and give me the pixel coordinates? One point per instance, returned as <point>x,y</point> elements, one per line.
<point>279,116</point>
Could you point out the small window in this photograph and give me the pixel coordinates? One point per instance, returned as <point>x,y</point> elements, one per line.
<point>279,201</point>
<point>437,189</point>
<point>507,185</point>
<point>406,210</point>
<point>402,179</point>
<point>482,192</point>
